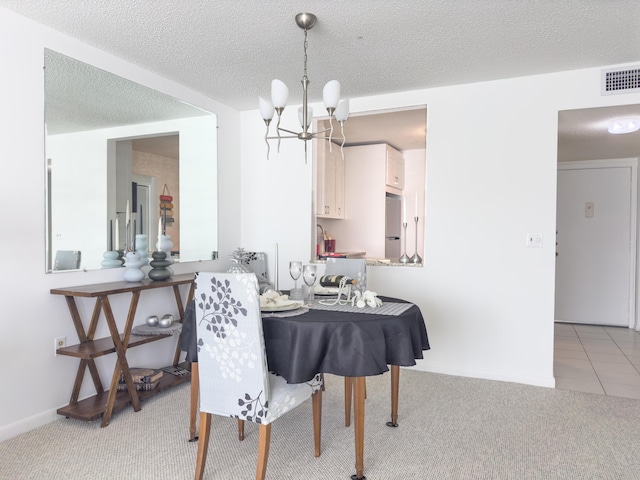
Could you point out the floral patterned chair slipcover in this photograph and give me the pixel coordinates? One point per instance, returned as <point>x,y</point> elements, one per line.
<point>234,379</point>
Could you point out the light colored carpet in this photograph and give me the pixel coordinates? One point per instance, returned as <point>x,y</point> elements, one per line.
<point>450,428</point>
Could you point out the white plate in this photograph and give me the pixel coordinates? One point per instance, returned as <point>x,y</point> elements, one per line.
<point>284,307</point>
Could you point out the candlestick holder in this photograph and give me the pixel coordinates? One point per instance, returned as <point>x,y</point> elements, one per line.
<point>165,245</point>
<point>416,258</point>
<point>111,259</point>
<point>159,266</point>
<point>142,247</point>
<point>132,263</point>
<point>404,258</point>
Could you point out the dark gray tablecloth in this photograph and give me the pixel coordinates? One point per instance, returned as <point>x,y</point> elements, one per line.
<point>344,344</point>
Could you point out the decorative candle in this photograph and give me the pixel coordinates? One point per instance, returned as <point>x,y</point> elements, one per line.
<point>159,231</point>
<point>404,209</point>
<point>117,234</point>
<point>128,214</point>
<point>133,241</point>
<point>164,220</point>
<point>141,232</point>
<point>110,235</point>
<point>416,203</point>
<point>276,268</point>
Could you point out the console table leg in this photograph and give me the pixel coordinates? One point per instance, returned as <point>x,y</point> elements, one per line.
<point>121,363</point>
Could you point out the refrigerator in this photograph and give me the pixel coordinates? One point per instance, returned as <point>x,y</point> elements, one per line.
<point>393,222</point>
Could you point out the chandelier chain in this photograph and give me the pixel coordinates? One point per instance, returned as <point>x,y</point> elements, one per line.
<point>306,44</point>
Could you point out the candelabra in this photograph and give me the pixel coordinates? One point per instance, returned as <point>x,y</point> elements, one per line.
<point>404,258</point>
<point>416,258</point>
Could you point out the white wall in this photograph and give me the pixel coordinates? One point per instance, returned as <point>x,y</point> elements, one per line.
<point>490,179</point>
<point>37,382</point>
<point>486,298</point>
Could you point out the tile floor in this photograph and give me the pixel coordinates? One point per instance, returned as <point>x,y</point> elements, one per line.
<point>597,359</point>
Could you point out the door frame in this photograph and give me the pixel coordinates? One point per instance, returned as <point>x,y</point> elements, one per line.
<point>634,321</point>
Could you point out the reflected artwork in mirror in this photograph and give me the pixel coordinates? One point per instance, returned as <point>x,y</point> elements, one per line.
<point>113,148</point>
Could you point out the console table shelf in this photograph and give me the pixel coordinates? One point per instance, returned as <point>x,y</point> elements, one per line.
<point>105,402</point>
<point>94,407</point>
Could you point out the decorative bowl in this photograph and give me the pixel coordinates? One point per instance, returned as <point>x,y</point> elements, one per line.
<point>166,321</point>
<point>152,320</point>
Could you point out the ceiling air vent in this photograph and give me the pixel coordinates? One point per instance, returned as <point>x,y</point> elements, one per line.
<point>621,80</point>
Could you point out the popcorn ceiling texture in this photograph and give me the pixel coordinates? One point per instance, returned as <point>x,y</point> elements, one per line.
<point>231,50</point>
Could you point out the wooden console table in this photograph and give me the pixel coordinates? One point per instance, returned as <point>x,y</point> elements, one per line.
<point>104,403</point>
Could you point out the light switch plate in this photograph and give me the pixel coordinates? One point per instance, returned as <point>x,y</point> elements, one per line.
<point>534,240</point>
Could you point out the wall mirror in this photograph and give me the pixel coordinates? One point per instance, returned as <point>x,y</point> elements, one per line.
<point>112,148</point>
<point>363,195</point>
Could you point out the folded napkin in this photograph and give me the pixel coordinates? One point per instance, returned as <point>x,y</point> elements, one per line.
<point>272,298</point>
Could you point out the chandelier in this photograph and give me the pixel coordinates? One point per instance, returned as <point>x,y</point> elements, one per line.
<point>280,93</point>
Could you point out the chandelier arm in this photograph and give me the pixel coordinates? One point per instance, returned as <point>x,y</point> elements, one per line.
<point>330,133</point>
<point>278,131</point>
<point>295,134</point>
<point>266,140</point>
<point>282,136</point>
<point>343,139</point>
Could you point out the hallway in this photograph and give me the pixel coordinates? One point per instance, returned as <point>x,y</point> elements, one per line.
<point>597,359</point>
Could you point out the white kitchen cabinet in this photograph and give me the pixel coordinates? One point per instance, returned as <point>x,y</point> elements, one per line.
<point>394,170</point>
<point>363,227</point>
<point>329,180</point>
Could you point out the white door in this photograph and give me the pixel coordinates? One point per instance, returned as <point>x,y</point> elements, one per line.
<point>595,262</point>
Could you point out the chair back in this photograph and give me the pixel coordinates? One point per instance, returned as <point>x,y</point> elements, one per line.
<point>67,260</point>
<point>257,262</point>
<point>355,268</point>
<point>232,362</point>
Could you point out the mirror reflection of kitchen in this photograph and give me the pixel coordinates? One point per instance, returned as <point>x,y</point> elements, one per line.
<point>363,199</point>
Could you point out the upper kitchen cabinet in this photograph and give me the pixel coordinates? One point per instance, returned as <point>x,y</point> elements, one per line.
<point>394,170</point>
<point>329,180</point>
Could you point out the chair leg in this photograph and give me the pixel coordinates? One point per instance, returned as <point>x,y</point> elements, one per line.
<point>316,400</point>
<point>195,391</point>
<point>240,429</point>
<point>264,438</point>
<point>203,444</point>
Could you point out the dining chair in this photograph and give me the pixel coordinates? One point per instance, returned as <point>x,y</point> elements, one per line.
<point>232,365</point>
<point>67,260</point>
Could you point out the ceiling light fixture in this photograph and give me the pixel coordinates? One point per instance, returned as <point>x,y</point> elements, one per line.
<point>280,94</point>
<point>624,125</point>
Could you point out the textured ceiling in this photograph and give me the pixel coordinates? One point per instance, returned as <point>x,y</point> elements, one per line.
<point>230,50</point>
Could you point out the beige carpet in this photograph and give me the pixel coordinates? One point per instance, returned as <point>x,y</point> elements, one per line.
<point>450,428</point>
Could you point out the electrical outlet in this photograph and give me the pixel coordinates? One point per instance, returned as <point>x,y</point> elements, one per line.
<point>59,342</point>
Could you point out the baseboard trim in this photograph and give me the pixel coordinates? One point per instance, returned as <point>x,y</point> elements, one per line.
<point>549,382</point>
<point>27,424</point>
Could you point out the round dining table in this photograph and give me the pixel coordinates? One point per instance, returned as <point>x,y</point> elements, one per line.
<point>342,340</point>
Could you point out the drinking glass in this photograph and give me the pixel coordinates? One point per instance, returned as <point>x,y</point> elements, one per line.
<point>295,270</point>
<point>309,277</point>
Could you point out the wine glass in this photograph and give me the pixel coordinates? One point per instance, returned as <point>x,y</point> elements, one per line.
<point>309,277</point>
<point>295,270</point>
